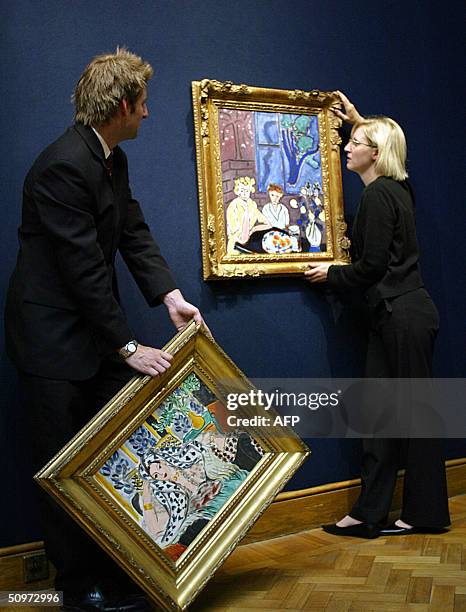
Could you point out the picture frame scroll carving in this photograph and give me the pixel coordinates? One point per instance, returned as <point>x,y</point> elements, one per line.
<point>269,179</point>
<point>162,481</point>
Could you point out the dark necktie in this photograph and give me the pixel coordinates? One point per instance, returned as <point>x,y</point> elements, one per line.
<point>109,164</point>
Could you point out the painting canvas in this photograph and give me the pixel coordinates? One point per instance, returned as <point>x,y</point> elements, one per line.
<point>179,468</point>
<point>163,480</point>
<point>269,180</point>
<point>272,182</point>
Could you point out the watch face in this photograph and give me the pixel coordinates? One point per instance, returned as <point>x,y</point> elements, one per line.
<point>131,347</point>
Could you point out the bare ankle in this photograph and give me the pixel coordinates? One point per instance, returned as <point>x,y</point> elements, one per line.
<point>400,523</point>
<point>348,521</point>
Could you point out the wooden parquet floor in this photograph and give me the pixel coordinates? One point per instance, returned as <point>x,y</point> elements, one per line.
<point>316,571</point>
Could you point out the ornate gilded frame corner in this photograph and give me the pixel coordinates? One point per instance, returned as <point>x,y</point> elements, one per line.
<point>219,169</point>
<point>172,573</point>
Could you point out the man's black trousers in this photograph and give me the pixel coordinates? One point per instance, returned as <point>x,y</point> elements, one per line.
<point>57,410</point>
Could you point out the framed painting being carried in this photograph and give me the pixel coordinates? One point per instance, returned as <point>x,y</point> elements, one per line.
<point>269,176</point>
<point>164,481</point>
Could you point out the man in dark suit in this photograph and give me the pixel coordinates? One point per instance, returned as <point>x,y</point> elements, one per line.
<point>66,331</point>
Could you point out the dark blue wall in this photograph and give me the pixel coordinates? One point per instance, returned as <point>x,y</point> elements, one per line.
<point>397,57</point>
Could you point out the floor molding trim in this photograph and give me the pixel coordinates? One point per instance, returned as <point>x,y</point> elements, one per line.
<point>291,512</point>
<point>295,511</point>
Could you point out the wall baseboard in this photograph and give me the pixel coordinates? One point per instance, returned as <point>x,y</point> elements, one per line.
<point>291,512</point>
<point>295,511</point>
<point>17,561</point>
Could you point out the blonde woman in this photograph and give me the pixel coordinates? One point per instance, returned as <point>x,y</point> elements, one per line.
<point>243,214</point>
<point>403,326</point>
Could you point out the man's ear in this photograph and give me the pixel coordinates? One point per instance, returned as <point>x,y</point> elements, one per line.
<point>124,107</point>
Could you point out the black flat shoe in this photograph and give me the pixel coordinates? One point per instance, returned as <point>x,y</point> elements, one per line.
<point>393,530</point>
<point>362,530</point>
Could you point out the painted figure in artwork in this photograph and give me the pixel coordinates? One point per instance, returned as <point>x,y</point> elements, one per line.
<point>184,487</point>
<point>243,215</point>
<point>179,468</point>
<point>276,213</point>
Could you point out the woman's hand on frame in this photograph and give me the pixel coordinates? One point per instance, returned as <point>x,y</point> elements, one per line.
<point>350,114</point>
<point>317,272</point>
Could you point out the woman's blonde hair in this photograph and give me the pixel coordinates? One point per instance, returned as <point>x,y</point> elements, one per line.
<point>246,181</point>
<point>388,137</point>
<point>107,80</point>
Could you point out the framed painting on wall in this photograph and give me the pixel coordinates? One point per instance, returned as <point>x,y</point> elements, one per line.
<point>163,481</point>
<point>269,176</point>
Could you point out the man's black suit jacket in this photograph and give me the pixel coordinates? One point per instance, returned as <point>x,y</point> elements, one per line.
<point>63,313</point>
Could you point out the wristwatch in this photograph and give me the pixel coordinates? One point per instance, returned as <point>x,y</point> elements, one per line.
<point>129,349</point>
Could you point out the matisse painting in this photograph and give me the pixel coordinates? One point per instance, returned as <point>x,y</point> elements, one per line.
<point>272,182</point>
<point>270,194</point>
<point>163,480</point>
<point>177,470</point>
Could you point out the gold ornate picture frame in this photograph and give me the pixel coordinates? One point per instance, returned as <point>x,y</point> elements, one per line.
<point>162,481</point>
<point>269,178</point>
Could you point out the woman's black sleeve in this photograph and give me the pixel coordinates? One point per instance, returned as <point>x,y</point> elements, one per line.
<point>376,223</point>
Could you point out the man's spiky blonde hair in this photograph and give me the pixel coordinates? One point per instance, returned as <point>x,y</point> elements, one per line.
<point>105,82</point>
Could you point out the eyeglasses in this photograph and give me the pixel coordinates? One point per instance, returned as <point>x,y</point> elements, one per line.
<point>356,143</point>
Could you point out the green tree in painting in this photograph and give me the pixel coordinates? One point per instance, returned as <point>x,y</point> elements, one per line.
<point>300,143</point>
<point>178,402</point>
